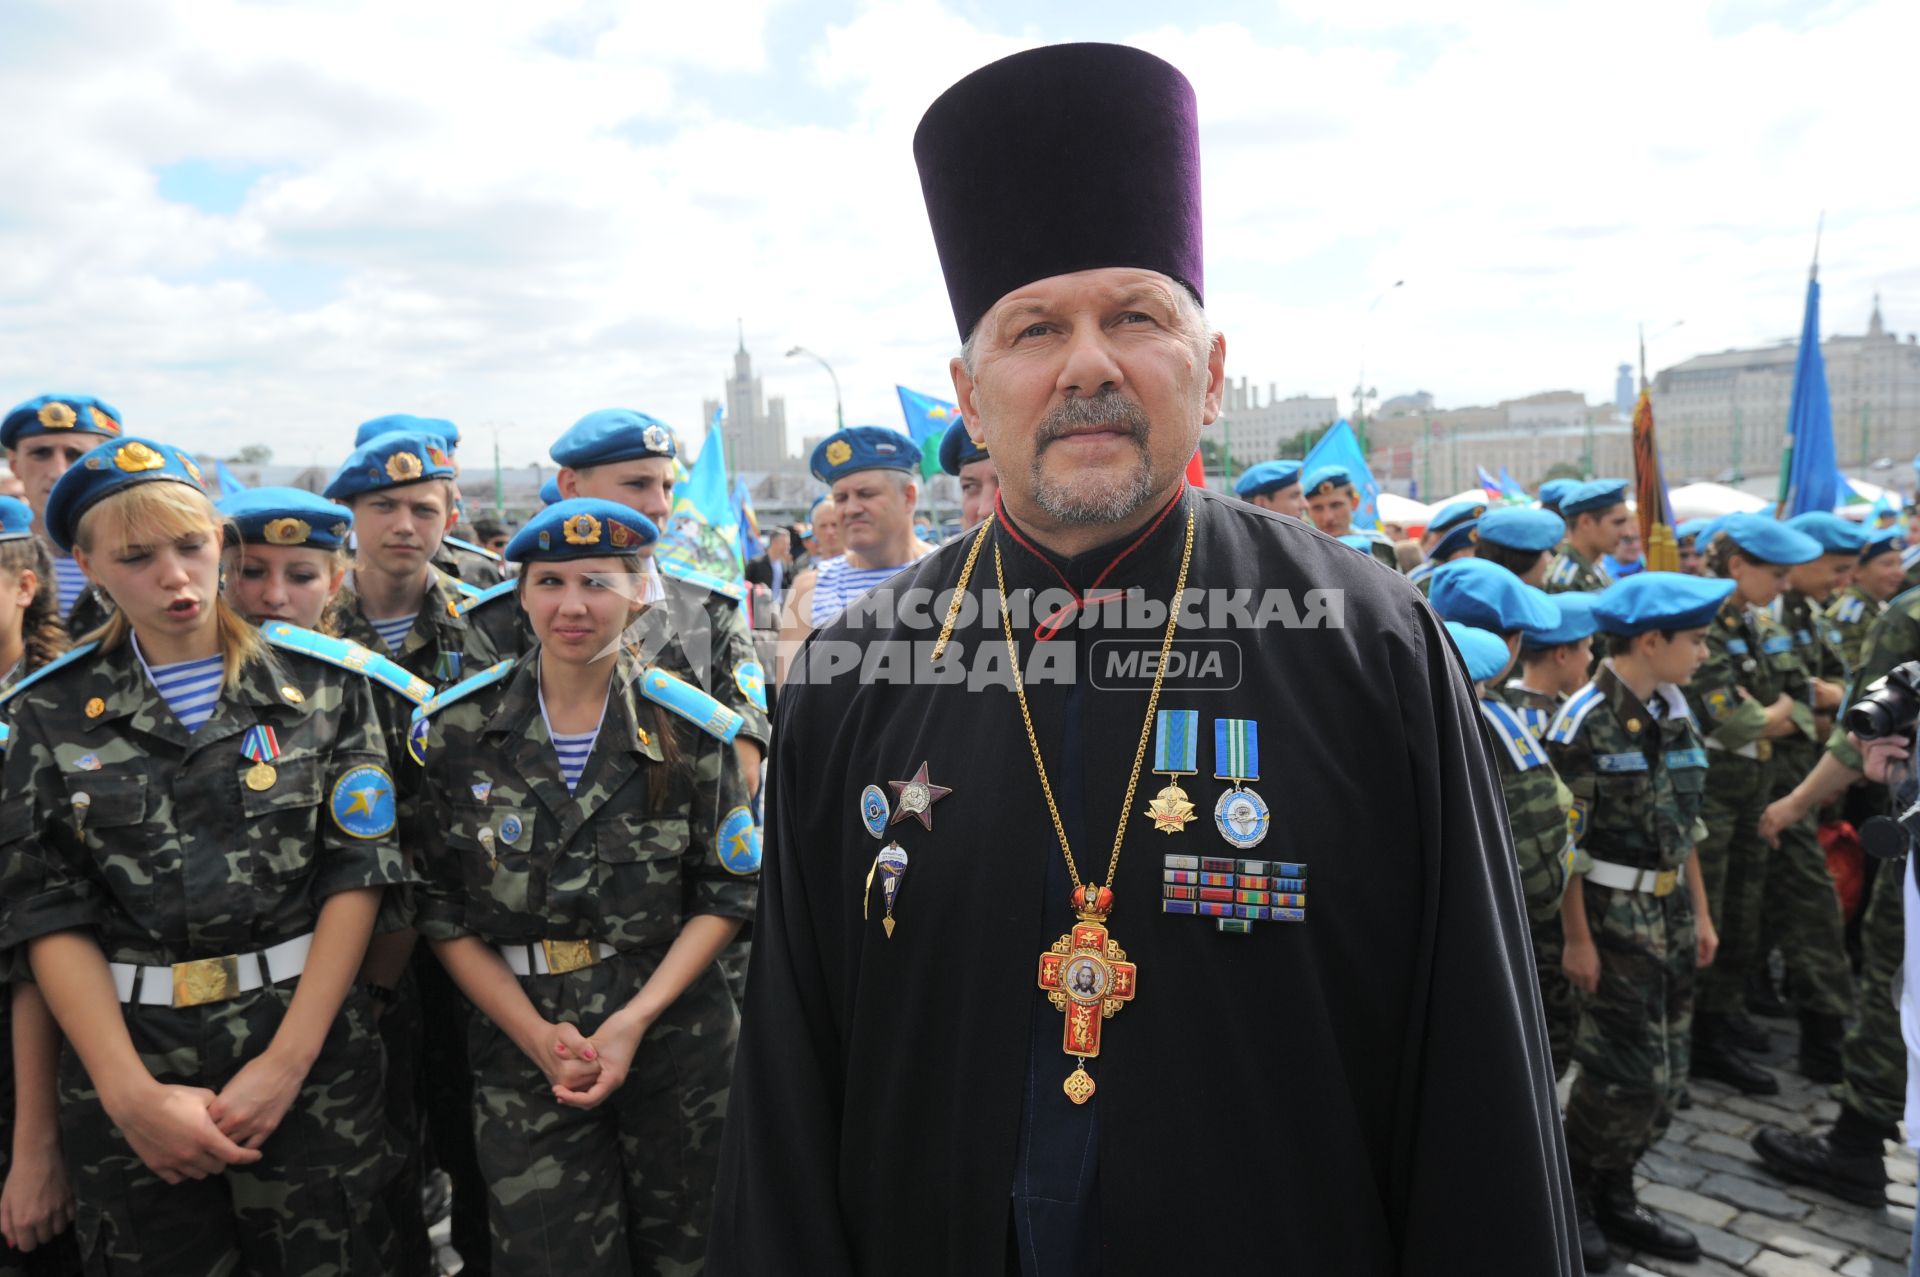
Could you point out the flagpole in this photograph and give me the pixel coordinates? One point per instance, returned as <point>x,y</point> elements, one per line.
<point>499,503</point>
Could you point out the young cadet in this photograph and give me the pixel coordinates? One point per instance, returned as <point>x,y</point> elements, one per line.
<point>1800,911</point>
<point>43,438</point>
<point>1747,696</point>
<point>1687,538</point>
<point>1554,491</point>
<point>1597,517</point>
<point>469,561</point>
<point>1273,485</point>
<point>1331,501</point>
<point>972,465</point>
<point>1628,748</point>
<point>1521,540</point>
<point>293,561</point>
<point>1876,579</point>
<point>595,854</point>
<point>1448,537</point>
<point>1492,600</point>
<point>1554,661</point>
<point>196,828</point>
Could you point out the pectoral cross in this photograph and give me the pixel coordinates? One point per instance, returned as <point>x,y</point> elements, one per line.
<point>1087,976</point>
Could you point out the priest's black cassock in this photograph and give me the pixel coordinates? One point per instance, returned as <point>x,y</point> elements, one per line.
<point>1362,1092</point>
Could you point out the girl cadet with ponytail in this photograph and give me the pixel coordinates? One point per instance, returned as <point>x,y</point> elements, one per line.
<point>196,829</point>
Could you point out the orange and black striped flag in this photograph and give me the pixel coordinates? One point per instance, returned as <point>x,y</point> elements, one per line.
<point>1662,548</point>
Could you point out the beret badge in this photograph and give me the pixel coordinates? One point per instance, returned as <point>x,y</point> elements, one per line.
<point>105,424</point>
<point>657,440</point>
<point>437,456</point>
<point>839,452</point>
<point>402,466</point>
<point>136,457</point>
<point>619,535</point>
<point>582,529</point>
<point>58,416</point>
<point>286,532</point>
<point>188,465</point>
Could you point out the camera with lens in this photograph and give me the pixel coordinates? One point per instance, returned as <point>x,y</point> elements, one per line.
<point>1890,705</point>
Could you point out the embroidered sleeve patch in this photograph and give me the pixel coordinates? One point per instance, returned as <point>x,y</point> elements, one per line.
<point>362,803</point>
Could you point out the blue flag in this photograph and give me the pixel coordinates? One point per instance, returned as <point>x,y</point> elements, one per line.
<point>1339,447</point>
<point>1813,479</point>
<point>1509,488</point>
<point>224,477</point>
<point>1488,484</point>
<point>704,532</point>
<point>927,422</point>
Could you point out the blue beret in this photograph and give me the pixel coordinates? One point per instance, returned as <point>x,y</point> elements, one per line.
<point>957,448</point>
<point>550,490</point>
<point>1835,534</point>
<point>581,528</point>
<point>1519,527</point>
<point>1690,530</point>
<point>1266,477</point>
<point>856,448</point>
<point>439,427</point>
<point>1484,594</point>
<point>1485,654</point>
<point>1328,473</point>
<point>115,464</point>
<point>16,519</point>
<point>1659,601</point>
<point>613,434</point>
<point>1882,541</point>
<point>1357,541</point>
<point>1457,538</point>
<point>1456,513</point>
<point>287,516</point>
<point>1769,540</point>
<point>1594,496</point>
<point>389,461</point>
<point>59,415</point>
<point>1554,491</point>
<point>1576,622</point>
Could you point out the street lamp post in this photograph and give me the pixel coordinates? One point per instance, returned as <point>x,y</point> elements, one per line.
<point>1360,387</point>
<point>839,413</point>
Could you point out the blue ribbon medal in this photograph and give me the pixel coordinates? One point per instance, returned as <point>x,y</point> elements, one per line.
<point>1241,814</point>
<point>262,746</point>
<point>1176,749</point>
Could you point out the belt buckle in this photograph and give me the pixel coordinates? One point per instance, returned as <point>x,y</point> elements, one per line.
<point>206,980</point>
<point>567,955</point>
<point>1766,750</point>
<point>1665,881</point>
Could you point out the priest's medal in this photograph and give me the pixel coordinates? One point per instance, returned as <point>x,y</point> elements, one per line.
<point>1175,749</point>
<point>1241,815</point>
<point>1087,976</point>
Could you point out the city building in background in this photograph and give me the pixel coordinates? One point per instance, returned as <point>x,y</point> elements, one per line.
<point>755,426</point>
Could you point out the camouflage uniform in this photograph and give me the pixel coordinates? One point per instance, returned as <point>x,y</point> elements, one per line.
<point>1800,910</point>
<point>474,564</point>
<point>90,611</point>
<point>1538,807</point>
<point>115,820</point>
<point>1849,617</point>
<point>1637,783</point>
<point>1536,709</point>
<point>627,1187</point>
<point>441,648</point>
<point>1570,570</point>
<point>1749,658</point>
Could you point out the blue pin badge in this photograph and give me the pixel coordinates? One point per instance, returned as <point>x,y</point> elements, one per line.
<point>874,810</point>
<point>1241,814</point>
<point>510,829</point>
<point>891,865</point>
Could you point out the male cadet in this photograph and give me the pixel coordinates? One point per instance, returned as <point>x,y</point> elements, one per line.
<point>921,1085</point>
<point>1554,661</point>
<point>869,472</point>
<point>1331,499</point>
<point>1876,579</point>
<point>1448,537</point>
<point>1686,536</point>
<point>472,562</point>
<point>1628,747</point>
<point>1553,491</point>
<point>1520,539</point>
<point>1273,485</point>
<point>44,438</point>
<point>967,461</point>
<point>1597,517</point>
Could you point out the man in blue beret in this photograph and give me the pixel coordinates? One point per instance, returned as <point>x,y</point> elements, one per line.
<point>989,830</point>
<point>1628,556</point>
<point>1520,539</point>
<point>44,438</point>
<point>1554,491</point>
<point>970,463</point>
<point>1686,537</point>
<point>1554,660</point>
<point>1876,580</point>
<point>1448,536</point>
<point>1331,500</point>
<point>1273,485</point>
<point>1597,517</point>
<point>462,557</point>
<point>1635,915</point>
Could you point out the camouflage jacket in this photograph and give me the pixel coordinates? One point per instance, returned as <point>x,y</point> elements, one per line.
<point>473,564</point>
<point>90,611</point>
<point>1750,662</point>
<point>515,858</point>
<point>1637,781</point>
<point>1538,807</point>
<point>441,648</point>
<point>697,634</point>
<point>1816,640</point>
<point>1849,616</point>
<point>1536,708</point>
<point>1571,571</point>
<point>115,819</point>
<point>1892,639</point>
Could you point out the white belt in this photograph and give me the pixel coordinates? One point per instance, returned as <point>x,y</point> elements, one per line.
<point>204,980</point>
<point>1605,873</point>
<point>1749,750</point>
<point>555,957</point>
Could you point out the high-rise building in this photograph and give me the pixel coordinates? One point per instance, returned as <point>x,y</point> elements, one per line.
<point>1625,394</point>
<point>755,427</point>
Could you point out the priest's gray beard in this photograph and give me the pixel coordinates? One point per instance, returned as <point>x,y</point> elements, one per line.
<point>1092,496</point>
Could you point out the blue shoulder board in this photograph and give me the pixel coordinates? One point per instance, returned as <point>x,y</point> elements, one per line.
<point>6,734</point>
<point>1520,743</point>
<point>465,687</point>
<point>680,572</point>
<point>487,595</point>
<point>471,548</point>
<point>1421,571</point>
<point>71,655</point>
<point>1774,644</point>
<point>1850,609</point>
<point>690,703</point>
<point>348,655</point>
<point>1910,555</point>
<point>471,591</point>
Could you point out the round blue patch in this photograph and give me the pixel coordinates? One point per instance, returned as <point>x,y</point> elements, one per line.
<point>739,842</point>
<point>874,811</point>
<point>362,803</point>
<point>417,739</point>
<point>510,829</point>
<point>752,682</point>
<point>1242,818</point>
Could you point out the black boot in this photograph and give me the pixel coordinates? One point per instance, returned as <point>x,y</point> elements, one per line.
<point>1621,1216</point>
<point>1820,1046</point>
<point>1595,1255</point>
<point>1746,1032</point>
<point>1715,1057</point>
<point>1846,1161</point>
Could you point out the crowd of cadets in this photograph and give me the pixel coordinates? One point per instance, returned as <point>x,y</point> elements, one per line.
<point>1668,753</point>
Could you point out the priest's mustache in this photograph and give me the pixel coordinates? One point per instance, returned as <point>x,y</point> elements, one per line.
<point>1108,408</point>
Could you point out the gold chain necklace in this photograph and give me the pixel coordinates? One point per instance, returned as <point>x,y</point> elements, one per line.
<point>1086,974</point>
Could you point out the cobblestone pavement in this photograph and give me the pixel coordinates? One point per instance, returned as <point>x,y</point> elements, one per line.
<point>1706,1177</point>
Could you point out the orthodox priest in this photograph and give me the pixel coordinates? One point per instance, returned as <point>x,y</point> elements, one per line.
<point>1099,936</point>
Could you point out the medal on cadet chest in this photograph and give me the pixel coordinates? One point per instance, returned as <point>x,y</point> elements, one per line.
<point>1241,814</point>
<point>1085,974</point>
<point>1175,748</point>
<point>262,746</point>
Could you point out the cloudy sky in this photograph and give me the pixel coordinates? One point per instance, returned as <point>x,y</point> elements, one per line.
<point>268,222</point>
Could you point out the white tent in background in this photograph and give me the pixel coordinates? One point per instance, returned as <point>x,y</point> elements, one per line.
<point>1405,511</point>
<point>1870,494</point>
<point>1711,500</point>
